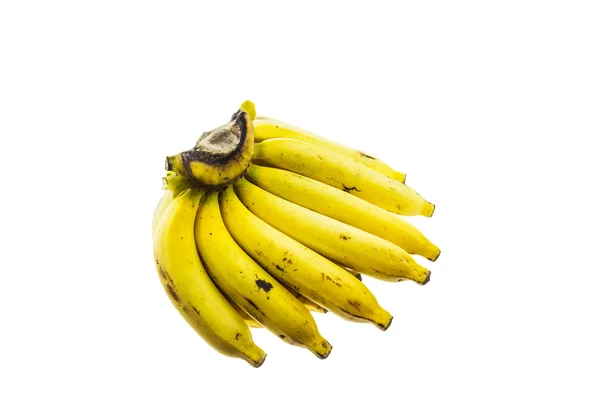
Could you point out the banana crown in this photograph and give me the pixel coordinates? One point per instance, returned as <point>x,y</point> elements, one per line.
<point>220,155</point>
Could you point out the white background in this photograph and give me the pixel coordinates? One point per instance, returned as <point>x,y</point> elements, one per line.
<point>491,108</point>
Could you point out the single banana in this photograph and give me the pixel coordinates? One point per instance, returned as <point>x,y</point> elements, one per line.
<point>343,207</point>
<point>189,287</point>
<point>299,267</point>
<point>355,248</point>
<point>343,173</point>
<point>268,128</point>
<point>250,287</point>
<point>219,156</point>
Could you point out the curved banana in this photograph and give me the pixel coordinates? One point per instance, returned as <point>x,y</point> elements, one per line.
<point>219,156</point>
<point>249,286</point>
<point>268,128</point>
<point>189,287</point>
<point>343,173</point>
<point>343,207</point>
<point>357,249</point>
<point>299,267</point>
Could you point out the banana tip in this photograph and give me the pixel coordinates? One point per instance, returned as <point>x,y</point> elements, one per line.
<point>427,278</point>
<point>428,209</point>
<point>435,256</point>
<point>257,362</point>
<point>385,327</point>
<point>323,349</point>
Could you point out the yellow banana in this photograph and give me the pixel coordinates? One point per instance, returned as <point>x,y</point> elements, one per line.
<point>343,207</point>
<point>343,173</point>
<point>220,156</point>
<point>299,267</point>
<point>189,287</point>
<point>355,248</point>
<point>268,128</point>
<point>250,287</point>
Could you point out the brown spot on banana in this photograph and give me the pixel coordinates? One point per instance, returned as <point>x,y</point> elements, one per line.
<point>283,271</point>
<point>172,293</point>
<point>355,305</point>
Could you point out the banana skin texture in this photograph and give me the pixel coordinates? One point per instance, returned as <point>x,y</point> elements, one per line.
<point>301,268</point>
<point>343,173</point>
<point>189,287</point>
<point>250,287</point>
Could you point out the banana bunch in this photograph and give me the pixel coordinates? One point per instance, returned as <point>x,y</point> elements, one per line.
<point>262,222</point>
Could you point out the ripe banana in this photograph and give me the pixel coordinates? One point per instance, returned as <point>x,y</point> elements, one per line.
<point>249,286</point>
<point>268,128</point>
<point>189,287</point>
<point>342,172</point>
<point>299,267</point>
<point>219,156</point>
<point>343,207</point>
<point>359,250</point>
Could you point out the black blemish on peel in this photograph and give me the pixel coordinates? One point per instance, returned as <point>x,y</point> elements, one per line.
<point>251,303</point>
<point>366,156</point>
<point>264,285</point>
<point>349,189</point>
